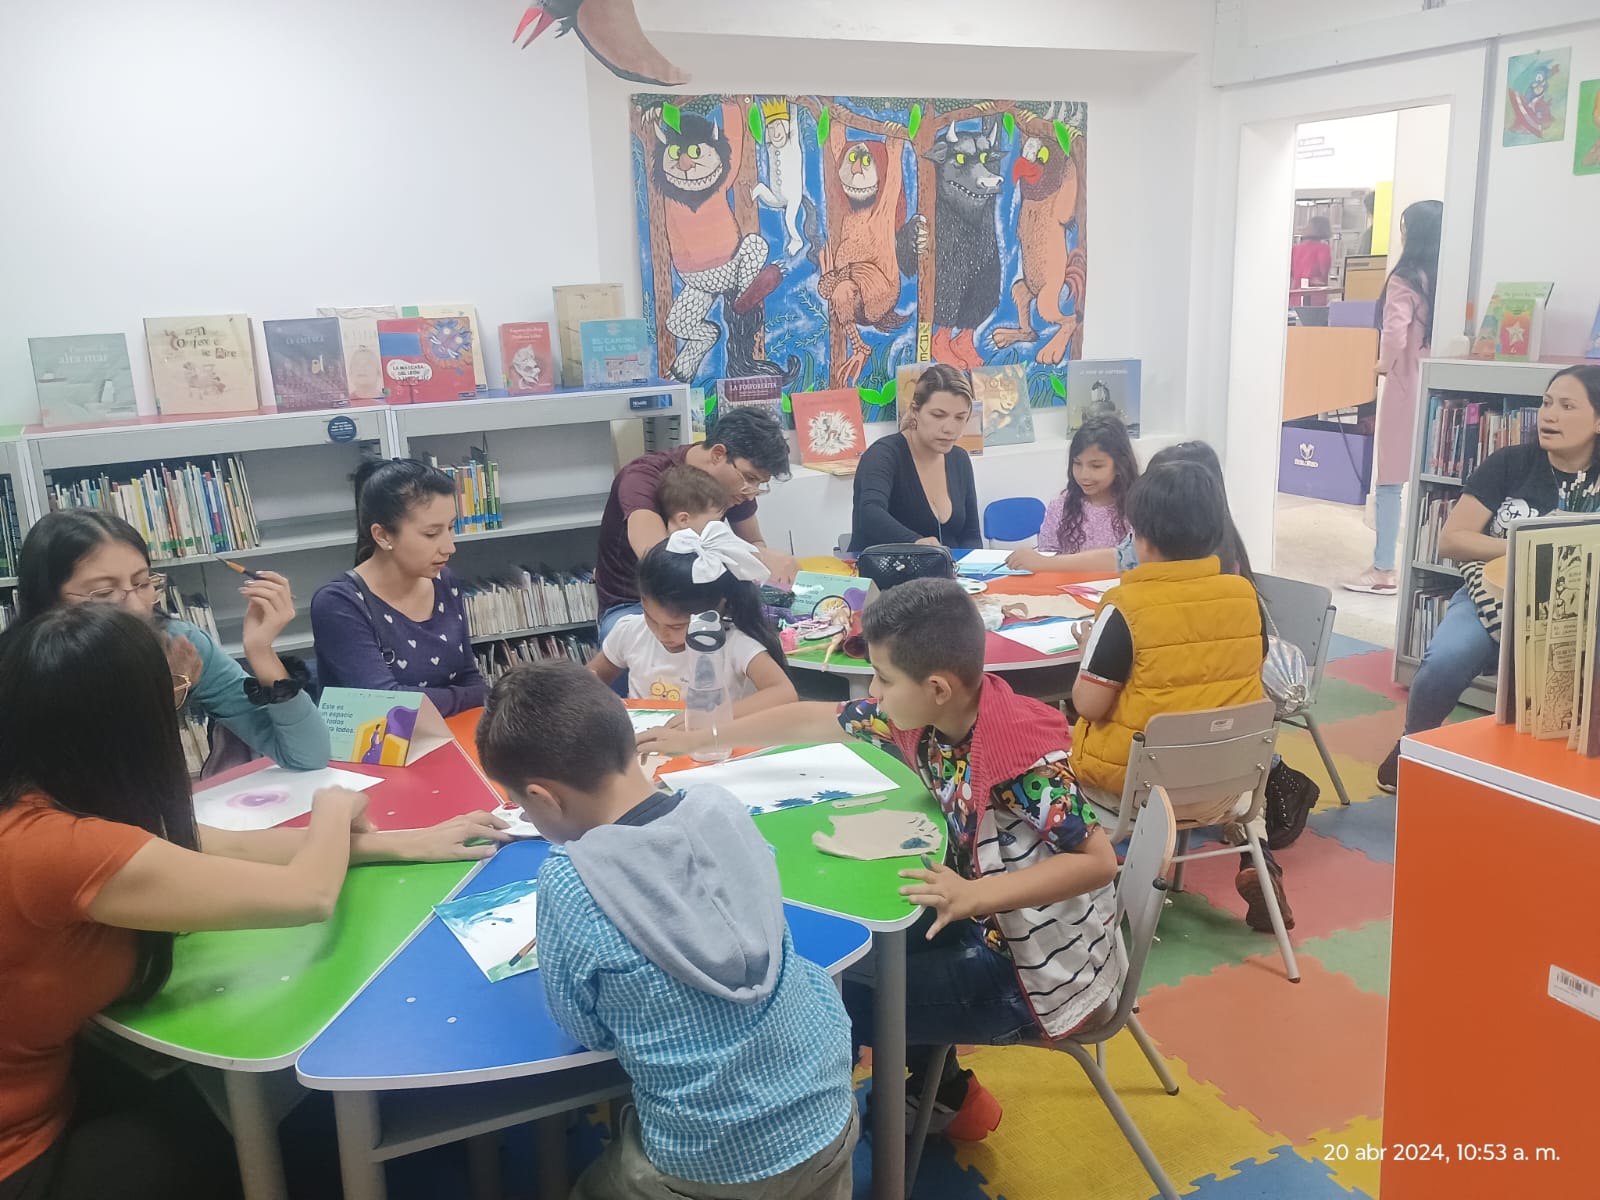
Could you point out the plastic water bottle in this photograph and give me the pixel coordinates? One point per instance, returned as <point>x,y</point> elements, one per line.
<point>708,700</point>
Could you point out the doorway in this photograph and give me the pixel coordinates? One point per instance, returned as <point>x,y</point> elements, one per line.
<point>1351,179</point>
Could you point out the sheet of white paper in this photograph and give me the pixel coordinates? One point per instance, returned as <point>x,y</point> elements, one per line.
<point>497,928</point>
<point>270,797</point>
<point>517,823</point>
<point>773,781</point>
<point>986,562</point>
<point>1050,637</point>
<point>649,718</point>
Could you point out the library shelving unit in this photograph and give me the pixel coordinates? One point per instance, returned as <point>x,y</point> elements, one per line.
<point>1440,463</point>
<point>556,453</point>
<point>15,490</point>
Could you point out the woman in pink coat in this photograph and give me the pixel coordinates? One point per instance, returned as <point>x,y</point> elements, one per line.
<point>1405,319</point>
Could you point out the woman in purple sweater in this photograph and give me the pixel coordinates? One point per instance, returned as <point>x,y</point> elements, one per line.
<point>397,622</point>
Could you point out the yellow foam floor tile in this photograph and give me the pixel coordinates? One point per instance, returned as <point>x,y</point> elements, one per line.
<point>1349,1154</point>
<point>1300,752</point>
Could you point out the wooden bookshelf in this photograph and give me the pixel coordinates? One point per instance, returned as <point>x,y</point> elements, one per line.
<point>1501,387</point>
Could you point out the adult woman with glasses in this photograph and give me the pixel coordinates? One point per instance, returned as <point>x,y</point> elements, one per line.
<point>85,556</point>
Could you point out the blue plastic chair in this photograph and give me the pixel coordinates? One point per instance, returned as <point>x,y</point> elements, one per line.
<point>1015,519</point>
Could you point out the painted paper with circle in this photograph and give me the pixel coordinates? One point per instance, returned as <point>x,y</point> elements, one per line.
<point>269,797</point>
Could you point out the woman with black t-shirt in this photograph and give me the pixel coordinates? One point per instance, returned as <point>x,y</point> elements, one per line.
<point>1559,474</point>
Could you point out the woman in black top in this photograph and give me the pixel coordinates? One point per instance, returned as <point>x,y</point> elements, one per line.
<point>916,485</point>
<point>1561,473</point>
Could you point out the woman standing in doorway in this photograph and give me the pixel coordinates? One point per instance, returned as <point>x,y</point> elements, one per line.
<point>1405,322</point>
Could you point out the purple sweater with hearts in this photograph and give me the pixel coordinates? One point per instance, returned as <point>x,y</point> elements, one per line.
<point>433,656</point>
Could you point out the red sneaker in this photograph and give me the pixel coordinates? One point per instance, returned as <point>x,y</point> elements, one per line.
<point>978,1116</point>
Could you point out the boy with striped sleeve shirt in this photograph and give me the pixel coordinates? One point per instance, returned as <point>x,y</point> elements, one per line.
<point>1019,939</point>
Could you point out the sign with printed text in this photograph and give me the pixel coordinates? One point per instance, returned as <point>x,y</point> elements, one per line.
<point>388,729</point>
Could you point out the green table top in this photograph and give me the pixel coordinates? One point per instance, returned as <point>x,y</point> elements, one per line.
<point>253,999</point>
<point>868,892</point>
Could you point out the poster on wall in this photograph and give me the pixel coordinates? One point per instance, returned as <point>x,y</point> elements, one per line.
<point>1586,152</point>
<point>827,240</point>
<point>1536,97</point>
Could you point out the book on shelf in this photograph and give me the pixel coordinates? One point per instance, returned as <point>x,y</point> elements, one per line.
<point>305,357</point>
<point>575,304</point>
<point>10,526</point>
<point>425,360</point>
<point>358,334</point>
<point>527,365</point>
<point>1550,634</point>
<point>202,364</point>
<point>828,428</point>
<point>194,608</point>
<point>616,352</point>
<point>1513,323</point>
<point>466,340</point>
<point>83,379</point>
<point>496,658</point>
<point>751,391</point>
<point>477,484</point>
<point>526,598</point>
<point>1003,393</point>
<point>1427,611</point>
<point>1104,387</point>
<point>1435,511</point>
<point>183,511</point>
<point>1462,432</point>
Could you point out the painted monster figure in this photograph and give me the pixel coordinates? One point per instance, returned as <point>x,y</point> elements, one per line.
<point>967,241</point>
<point>1048,179</point>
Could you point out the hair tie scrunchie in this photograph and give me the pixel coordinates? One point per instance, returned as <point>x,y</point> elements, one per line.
<point>718,551</point>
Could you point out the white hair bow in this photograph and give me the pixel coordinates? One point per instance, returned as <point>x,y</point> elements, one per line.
<point>717,550</point>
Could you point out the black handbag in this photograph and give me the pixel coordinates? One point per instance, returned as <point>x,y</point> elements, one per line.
<point>893,564</point>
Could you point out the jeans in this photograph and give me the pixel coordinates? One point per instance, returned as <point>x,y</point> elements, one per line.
<point>957,990</point>
<point>1388,522</point>
<point>608,621</point>
<point>1460,651</point>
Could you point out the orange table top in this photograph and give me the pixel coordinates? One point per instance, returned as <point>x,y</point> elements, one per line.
<point>1516,762</point>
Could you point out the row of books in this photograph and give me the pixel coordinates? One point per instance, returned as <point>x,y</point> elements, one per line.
<point>400,354</point>
<point>182,511</point>
<point>8,614</point>
<point>1435,512</point>
<point>1462,432</point>
<point>477,493</point>
<point>194,608</point>
<point>495,659</point>
<point>1427,611</point>
<point>10,527</point>
<point>196,742</point>
<point>529,599</point>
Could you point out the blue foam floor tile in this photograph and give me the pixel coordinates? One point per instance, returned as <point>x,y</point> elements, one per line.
<point>1344,647</point>
<point>1286,1177</point>
<point>1367,826</point>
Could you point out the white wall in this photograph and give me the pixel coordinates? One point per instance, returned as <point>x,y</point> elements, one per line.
<point>178,157</point>
<point>1422,143</point>
<point>1539,219</point>
<point>1354,152</point>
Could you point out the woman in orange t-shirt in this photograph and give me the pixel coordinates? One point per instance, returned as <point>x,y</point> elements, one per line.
<point>100,864</point>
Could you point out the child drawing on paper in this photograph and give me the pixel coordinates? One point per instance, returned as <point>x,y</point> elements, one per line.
<point>497,929</point>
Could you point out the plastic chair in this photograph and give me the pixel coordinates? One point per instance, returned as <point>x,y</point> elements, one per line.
<point>1209,763</point>
<point>1141,888</point>
<point>1304,614</point>
<point>1013,521</point>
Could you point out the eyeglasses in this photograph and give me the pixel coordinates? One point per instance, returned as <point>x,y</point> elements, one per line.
<point>180,689</point>
<point>754,485</point>
<point>151,585</point>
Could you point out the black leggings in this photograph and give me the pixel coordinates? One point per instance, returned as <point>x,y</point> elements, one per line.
<point>131,1138</point>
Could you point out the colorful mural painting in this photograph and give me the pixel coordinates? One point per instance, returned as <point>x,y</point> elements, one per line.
<point>826,240</point>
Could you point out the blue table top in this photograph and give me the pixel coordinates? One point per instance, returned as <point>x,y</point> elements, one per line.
<point>430,1017</point>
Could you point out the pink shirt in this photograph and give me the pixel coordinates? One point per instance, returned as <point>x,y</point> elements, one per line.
<point>1103,527</point>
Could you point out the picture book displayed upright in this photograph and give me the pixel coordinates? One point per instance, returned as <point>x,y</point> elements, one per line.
<point>83,378</point>
<point>460,324</point>
<point>1104,387</point>
<point>527,366</point>
<point>358,333</point>
<point>616,352</point>
<point>1550,629</point>
<point>1513,324</point>
<point>202,364</point>
<point>829,429</point>
<point>306,361</point>
<point>388,729</point>
<point>1002,393</point>
<point>424,360</point>
<point>575,304</point>
<point>745,391</point>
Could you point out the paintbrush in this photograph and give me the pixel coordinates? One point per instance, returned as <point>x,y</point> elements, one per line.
<point>524,952</point>
<point>245,571</point>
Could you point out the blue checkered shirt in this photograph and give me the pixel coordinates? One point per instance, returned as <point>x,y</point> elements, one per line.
<point>727,1093</point>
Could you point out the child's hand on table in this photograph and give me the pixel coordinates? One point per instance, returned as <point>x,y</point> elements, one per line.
<point>470,836</point>
<point>670,742</point>
<point>344,800</point>
<point>949,894</point>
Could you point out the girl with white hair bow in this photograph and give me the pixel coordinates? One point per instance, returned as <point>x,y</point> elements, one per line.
<point>688,574</point>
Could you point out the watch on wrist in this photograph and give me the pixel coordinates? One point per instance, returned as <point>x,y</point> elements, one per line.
<point>277,692</point>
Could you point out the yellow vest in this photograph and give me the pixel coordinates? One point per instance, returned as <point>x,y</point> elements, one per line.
<point>1196,645</point>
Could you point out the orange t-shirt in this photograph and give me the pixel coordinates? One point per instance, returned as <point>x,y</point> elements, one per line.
<point>57,966</point>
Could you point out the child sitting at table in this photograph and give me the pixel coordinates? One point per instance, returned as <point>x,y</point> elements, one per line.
<point>1088,515</point>
<point>1176,635</point>
<point>661,936</point>
<point>1020,940</point>
<point>690,498</point>
<point>688,574</point>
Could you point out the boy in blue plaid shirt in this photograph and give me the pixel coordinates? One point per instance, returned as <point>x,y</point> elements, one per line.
<point>661,936</point>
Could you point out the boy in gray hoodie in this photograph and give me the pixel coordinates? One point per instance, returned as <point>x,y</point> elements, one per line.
<point>662,937</point>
